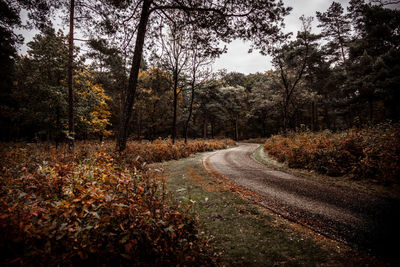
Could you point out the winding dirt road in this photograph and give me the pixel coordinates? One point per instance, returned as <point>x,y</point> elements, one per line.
<point>361,220</point>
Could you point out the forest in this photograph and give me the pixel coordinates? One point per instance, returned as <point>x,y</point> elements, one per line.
<point>345,76</point>
<point>129,82</point>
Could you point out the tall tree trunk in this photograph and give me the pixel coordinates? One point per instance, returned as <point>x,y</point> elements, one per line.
<point>71,133</point>
<point>175,75</point>
<point>344,59</point>
<point>133,77</point>
<point>343,56</point>
<point>190,113</point>
<point>285,117</point>
<point>313,116</point>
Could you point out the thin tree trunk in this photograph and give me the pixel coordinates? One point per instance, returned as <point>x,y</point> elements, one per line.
<point>285,118</point>
<point>313,116</point>
<point>175,105</point>
<point>190,113</point>
<point>71,133</point>
<point>343,56</point>
<point>133,78</point>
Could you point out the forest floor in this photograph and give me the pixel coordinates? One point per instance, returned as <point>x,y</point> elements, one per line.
<point>245,232</point>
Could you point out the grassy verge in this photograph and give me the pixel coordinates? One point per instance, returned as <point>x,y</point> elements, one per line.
<point>244,233</point>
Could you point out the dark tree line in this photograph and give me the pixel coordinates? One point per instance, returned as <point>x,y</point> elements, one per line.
<point>148,70</point>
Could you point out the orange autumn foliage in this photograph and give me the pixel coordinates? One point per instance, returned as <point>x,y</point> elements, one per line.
<point>94,207</point>
<point>371,153</point>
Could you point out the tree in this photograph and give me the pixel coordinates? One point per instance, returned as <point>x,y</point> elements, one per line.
<point>41,92</point>
<point>355,15</point>
<point>38,12</point>
<point>374,64</point>
<point>209,105</point>
<point>235,79</point>
<point>92,107</point>
<point>335,28</point>
<point>232,98</point>
<point>71,131</point>
<point>198,72</point>
<point>291,60</point>
<point>154,103</point>
<point>110,71</point>
<point>264,96</point>
<point>174,57</point>
<point>222,19</point>
<point>184,51</point>
<point>8,20</point>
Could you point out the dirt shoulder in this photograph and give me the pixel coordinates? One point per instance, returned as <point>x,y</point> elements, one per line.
<point>245,233</point>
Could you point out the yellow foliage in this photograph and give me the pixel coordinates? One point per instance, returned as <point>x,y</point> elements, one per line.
<point>98,115</point>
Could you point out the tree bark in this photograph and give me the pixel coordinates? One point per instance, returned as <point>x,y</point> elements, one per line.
<point>190,112</point>
<point>285,117</point>
<point>71,133</point>
<point>133,77</point>
<point>313,116</point>
<point>175,76</point>
<point>343,56</point>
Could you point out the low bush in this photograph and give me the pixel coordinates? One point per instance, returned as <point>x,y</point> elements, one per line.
<point>139,153</point>
<point>362,153</point>
<point>90,209</point>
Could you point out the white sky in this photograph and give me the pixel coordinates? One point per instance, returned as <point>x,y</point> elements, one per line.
<point>239,60</point>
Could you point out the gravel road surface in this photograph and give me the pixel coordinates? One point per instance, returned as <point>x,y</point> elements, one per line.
<point>356,218</point>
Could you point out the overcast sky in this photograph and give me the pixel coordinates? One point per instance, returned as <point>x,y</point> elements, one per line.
<point>238,59</point>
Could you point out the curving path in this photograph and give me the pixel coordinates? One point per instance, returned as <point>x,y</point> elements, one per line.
<point>359,219</point>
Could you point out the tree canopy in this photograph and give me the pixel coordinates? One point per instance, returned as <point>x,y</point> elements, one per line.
<point>143,70</point>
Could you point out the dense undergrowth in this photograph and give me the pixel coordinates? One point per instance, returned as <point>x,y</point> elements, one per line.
<point>370,153</point>
<point>95,207</point>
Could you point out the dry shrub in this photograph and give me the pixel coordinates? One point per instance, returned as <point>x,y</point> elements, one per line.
<point>88,209</point>
<point>138,154</point>
<point>362,153</point>
<point>380,155</point>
